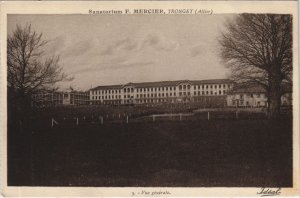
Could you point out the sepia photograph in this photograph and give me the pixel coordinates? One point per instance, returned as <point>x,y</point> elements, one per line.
<point>151,98</point>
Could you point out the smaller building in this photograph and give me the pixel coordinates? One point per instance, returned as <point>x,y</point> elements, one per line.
<point>57,98</point>
<point>254,96</point>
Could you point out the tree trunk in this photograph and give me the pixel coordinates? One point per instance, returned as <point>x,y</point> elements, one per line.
<point>274,96</point>
<point>275,103</point>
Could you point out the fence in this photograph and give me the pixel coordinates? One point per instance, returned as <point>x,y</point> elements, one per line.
<point>126,118</point>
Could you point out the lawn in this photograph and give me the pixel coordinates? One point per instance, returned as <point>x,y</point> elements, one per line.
<point>215,153</point>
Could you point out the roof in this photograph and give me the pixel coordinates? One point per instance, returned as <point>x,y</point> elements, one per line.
<point>257,89</point>
<point>107,87</point>
<point>253,89</point>
<point>164,83</point>
<point>212,81</point>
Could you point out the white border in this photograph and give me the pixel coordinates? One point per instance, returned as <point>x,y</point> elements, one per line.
<point>218,7</point>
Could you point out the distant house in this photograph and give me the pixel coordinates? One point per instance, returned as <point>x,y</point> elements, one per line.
<point>254,96</point>
<point>58,98</point>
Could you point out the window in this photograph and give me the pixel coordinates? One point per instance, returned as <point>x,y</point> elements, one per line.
<point>194,92</point>
<point>189,86</point>
<point>180,87</point>
<point>220,92</point>
<point>211,92</point>
<point>180,93</point>
<point>220,86</point>
<point>184,86</point>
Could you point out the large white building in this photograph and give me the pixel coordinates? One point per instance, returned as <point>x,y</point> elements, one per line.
<point>181,91</point>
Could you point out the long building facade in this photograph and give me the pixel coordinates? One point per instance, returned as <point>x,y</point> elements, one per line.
<point>183,91</point>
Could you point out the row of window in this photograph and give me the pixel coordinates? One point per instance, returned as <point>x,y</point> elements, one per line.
<point>149,101</point>
<point>106,97</point>
<point>241,102</point>
<point>212,86</point>
<point>241,96</point>
<point>220,92</point>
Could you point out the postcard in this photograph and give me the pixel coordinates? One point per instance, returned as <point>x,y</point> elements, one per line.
<point>149,98</point>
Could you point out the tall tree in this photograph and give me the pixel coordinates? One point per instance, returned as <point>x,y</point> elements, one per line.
<point>258,50</point>
<point>29,70</point>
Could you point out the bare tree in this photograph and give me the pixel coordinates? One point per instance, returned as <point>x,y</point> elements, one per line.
<point>28,69</point>
<point>258,50</point>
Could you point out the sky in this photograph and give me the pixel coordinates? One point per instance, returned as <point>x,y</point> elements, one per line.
<point>117,49</point>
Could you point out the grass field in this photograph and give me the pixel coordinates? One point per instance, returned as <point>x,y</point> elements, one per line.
<point>188,154</point>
